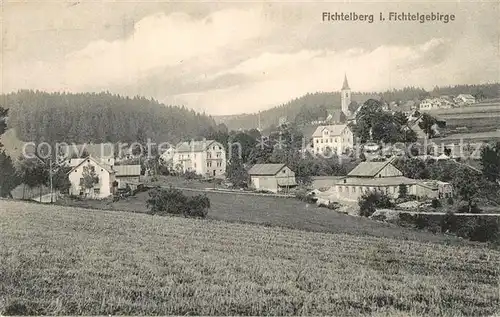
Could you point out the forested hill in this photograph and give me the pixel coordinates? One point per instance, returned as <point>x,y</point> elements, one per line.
<point>331,101</point>
<point>99,117</point>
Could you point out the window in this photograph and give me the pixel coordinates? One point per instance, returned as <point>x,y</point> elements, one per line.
<point>321,140</point>
<point>97,191</point>
<point>347,94</point>
<point>194,165</point>
<point>208,164</point>
<point>101,169</point>
<point>317,140</point>
<point>81,181</point>
<point>354,189</point>
<point>284,171</point>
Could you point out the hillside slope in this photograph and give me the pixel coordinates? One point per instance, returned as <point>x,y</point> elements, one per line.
<point>70,261</point>
<point>99,117</point>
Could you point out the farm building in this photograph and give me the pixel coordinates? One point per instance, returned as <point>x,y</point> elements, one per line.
<point>127,174</point>
<point>386,178</point>
<point>271,177</point>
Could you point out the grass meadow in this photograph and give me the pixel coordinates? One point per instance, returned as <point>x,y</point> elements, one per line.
<point>57,260</point>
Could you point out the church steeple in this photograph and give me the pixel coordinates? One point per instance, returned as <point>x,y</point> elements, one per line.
<point>345,97</point>
<point>346,84</point>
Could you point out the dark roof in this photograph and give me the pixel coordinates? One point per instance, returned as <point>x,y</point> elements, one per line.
<point>368,169</point>
<point>265,169</point>
<point>345,85</point>
<point>338,116</point>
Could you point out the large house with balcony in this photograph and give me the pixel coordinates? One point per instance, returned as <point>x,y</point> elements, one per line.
<point>206,158</point>
<point>336,139</point>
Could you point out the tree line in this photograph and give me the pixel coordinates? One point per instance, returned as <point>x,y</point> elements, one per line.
<point>99,117</point>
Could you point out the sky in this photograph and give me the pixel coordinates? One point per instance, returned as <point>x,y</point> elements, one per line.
<point>225,57</point>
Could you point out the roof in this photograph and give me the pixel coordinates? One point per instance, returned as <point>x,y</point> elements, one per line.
<point>368,169</point>
<point>127,170</point>
<point>193,146</point>
<point>337,116</point>
<point>467,96</point>
<point>384,181</point>
<point>333,129</point>
<point>472,136</point>
<point>99,150</point>
<point>99,163</point>
<point>265,169</point>
<point>345,85</point>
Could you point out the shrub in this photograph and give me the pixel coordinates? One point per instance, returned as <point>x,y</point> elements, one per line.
<point>197,206</point>
<point>166,201</point>
<point>403,191</point>
<point>305,196</point>
<point>450,201</point>
<point>372,200</point>
<point>173,201</point>
<point>436,203</point>
<point>191,175</point>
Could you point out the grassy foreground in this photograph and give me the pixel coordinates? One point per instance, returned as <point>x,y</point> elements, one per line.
<point>68,261</point>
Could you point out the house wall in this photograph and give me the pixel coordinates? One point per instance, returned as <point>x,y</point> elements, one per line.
<point>104,186</point>
<point>265,182</point>
<point>215,165</point>
<point>122,180</point>
<point>337,143</point>
<point>354,192</point>
<point>209,163</point>
<point>389,171</point>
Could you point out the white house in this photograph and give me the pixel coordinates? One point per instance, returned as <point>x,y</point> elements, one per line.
<point>103,184</point>
<point>430,104</point>
<point>271,177</point>
<point>335,138</point>
<point>206,158</point>
<point>465,99</point>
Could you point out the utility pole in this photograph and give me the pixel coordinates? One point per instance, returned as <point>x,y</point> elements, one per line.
<point>51,187</point>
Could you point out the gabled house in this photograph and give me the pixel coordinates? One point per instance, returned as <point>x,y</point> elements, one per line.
<point>465,99</point>
<point>335,139</point>
<point>206,158</point>
<point>271,177</point>
<point>102,183</point>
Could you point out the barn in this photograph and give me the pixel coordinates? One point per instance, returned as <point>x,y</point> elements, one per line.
<point>272,177</point>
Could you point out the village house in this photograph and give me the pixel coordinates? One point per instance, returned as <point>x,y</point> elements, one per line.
<point>206,158</point>
<point>271,177</point>
<point>386,178</point>
<point>103,183</point>
<point>413,124</point>
<point>465,99</point>
<point>336,139</point>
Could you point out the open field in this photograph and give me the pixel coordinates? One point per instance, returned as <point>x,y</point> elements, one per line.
<point>280,212</point>
<point>69,261</point>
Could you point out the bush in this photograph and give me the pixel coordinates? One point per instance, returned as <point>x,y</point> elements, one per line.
<point>370,201</point>
<point>166,201</point>
<point>173,201</point>
<point>197,206</point>
<point>305,196</point>
<point>436,203</point>
<point>191,175</point>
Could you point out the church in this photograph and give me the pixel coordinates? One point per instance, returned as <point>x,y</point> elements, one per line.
<point>342,115</point>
